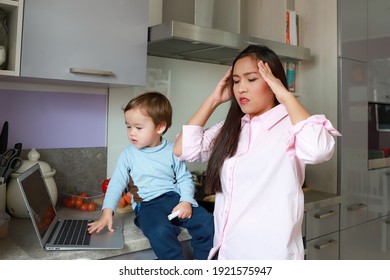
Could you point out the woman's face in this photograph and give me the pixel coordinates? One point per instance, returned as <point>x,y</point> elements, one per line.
<point>252,93</point>
<point>141,130</point>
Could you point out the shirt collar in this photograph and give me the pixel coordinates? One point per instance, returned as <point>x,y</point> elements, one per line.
<point>269,118</point>
<point>164,142</point>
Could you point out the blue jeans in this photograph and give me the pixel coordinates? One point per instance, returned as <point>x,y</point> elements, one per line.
<point>151,218</point>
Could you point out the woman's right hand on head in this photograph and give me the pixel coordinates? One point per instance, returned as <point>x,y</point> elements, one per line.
<point>104,220</point>
<point>222,92</point>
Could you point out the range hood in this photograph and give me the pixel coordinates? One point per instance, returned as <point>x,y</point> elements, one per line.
<point>186,41</point>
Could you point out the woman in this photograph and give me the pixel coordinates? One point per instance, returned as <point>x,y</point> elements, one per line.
<point>256,158</point>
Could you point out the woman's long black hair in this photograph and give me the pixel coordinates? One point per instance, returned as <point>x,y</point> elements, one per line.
<point>225,144</point>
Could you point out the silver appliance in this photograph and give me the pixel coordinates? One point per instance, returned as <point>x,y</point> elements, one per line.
<point>191,42</point>
<point>208,31</point>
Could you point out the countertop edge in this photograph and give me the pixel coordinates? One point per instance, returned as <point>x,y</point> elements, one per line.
<point>317,200</point>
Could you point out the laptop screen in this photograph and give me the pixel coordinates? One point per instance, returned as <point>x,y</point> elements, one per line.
<point>36,193</point>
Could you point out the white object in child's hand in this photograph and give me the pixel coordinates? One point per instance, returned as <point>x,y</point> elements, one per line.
<point>173,215</point>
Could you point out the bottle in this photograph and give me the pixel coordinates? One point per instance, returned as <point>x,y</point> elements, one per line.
<point>290,73</point>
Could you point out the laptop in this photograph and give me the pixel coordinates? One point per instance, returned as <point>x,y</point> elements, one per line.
<point>51,230</point>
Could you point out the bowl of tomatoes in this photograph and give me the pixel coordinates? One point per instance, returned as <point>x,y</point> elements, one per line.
<point>83,200</point>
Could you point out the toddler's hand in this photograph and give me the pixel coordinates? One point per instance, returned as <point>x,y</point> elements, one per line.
<point>104,220</point>
<point>185,210</point>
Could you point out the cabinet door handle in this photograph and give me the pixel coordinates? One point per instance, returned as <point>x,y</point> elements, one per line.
<point>325,215</point>
<point>355,207</point>
<point>387,222</point>
<point>91,72</point>
<point>323,246</point>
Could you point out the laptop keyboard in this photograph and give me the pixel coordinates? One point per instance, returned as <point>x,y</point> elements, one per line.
<point>73,232</point>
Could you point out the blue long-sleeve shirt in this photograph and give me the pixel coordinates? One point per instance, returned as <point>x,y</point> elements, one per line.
<point>154,171</point>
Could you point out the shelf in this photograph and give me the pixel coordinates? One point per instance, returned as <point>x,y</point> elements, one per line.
<point>14,11</point>
<point>378,163</point>
<point>8,5</point>
<point>7,73</point>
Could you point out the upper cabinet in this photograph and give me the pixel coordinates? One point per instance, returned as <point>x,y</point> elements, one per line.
<point>352,29</point>
<point>95,41</point>
<point>13,11</point>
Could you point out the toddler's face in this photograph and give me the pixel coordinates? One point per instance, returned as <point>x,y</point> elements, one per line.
<point>141,130</point>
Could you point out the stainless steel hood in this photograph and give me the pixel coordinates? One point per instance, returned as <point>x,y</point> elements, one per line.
<point>190,42</point>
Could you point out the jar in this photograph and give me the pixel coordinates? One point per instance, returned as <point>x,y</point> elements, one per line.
<point>3,39</point>
<point>15,203</point>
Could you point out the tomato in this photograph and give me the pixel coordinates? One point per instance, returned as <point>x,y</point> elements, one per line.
<point>47,221</point>
<point>105,185</point>
<point>71,202</point>
<point>78,202</point>
<point>83,207</point>
<point>91,206</point>
<point>49,213</point>
<point>83,194</point>
<point>42,226</point>
<point>66,201</point>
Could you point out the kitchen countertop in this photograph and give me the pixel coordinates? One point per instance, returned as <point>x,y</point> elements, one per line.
<point>22,244</point>
<point>317,200</point>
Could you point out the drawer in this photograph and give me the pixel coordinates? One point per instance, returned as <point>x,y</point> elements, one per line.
<point>322,221</point>
<point>323,248</point>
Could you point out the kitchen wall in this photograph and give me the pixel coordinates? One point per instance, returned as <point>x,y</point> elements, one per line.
<point>185,83</point>
<point>66,124</point>
<point>53,119</point>
<point>317,79</point>
<point>265,19</point>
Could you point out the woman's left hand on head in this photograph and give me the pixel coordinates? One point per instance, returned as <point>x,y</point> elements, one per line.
<point>274,83</point>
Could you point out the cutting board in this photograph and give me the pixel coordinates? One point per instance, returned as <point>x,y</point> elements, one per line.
<point>126,209</point>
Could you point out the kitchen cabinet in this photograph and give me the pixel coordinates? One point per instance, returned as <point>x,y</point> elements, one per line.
<point>353,170</point>
<point>363,77</point>
<point>322,233</point>
<point>353,242</point>
<point>378,193</point>
<point>353,144</point>
<point>14,19</point>
<point>352,24</point>
<point>367,241</point>
<point>94,41</point>
<point>321,225</point>
<point>323,248</point>
<point>379,239</point>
